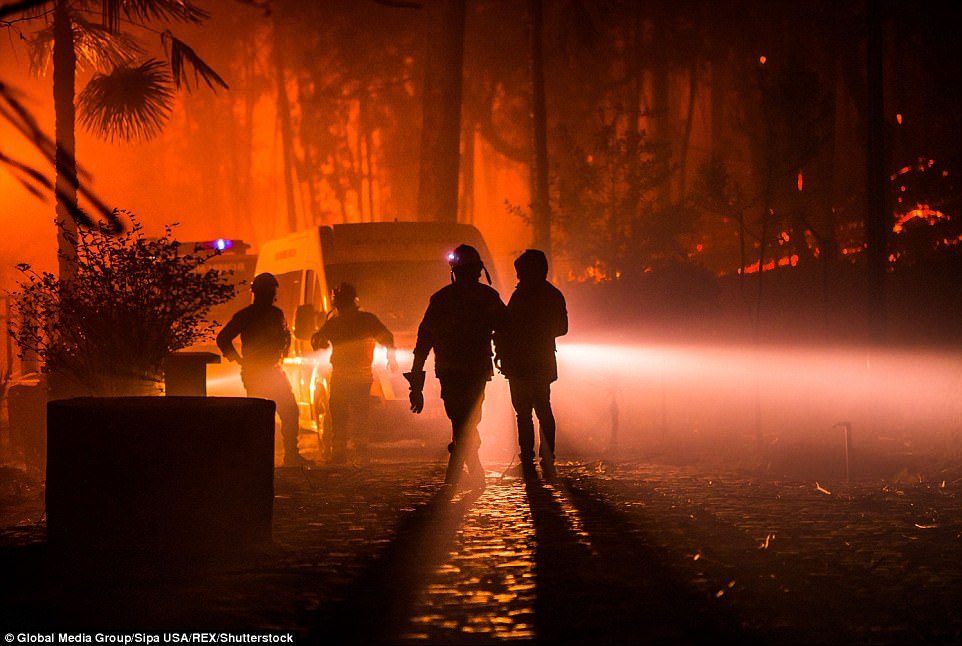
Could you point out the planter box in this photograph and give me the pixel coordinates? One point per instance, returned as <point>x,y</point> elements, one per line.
<point>160,473</point>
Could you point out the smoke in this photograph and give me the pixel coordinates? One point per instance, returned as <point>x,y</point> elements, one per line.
<point>728,397</point>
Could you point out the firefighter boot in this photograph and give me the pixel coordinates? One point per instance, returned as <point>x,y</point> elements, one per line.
<point>455,464</point>
<point>547,468</point>
<point>294,459</point>
<point>475,479</point>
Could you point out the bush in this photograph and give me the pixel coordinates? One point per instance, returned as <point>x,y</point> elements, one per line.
<point>106,329</point>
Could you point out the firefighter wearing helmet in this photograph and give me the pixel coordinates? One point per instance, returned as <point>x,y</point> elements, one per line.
<point>458,325</point>
<point>265,340</point>
<point>353,333</point>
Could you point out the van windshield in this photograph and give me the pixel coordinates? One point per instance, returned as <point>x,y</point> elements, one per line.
<point>396,291</point>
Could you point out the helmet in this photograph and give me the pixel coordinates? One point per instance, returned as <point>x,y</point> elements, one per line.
<point>264,283</point>
<point>464,255</point>
<point>466,258</point>
<point>344,294</point>
<point>532,265</point>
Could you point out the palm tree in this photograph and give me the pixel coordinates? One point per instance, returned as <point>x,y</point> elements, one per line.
<point>130,95</point>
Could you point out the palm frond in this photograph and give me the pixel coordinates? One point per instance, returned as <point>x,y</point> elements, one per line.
<point>181,56</point>
<point>99,48</point>
<point>150,10</point>
<point>132,102</point>
<point>16,114</point>
<point>40,186</point>
<point>96,46</point>
<point>31,178</point>
<point>22,6</point>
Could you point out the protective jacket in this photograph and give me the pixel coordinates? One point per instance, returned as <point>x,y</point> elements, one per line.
<point>265,337</point>
<point>536,314</point>
<point>458,325</point>
<point>354,334</point>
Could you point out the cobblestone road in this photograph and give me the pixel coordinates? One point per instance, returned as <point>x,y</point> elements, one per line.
<point>608,553</point>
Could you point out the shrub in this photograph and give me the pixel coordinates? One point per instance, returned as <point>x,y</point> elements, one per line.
<point>106,329</point>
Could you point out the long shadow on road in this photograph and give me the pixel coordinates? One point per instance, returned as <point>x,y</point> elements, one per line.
<point>596,577</point>
<point>377,606</point>
<point>598,583</point>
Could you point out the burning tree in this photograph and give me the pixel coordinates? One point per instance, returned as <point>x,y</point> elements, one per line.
<point>132,301</point>
<point>609,216</point>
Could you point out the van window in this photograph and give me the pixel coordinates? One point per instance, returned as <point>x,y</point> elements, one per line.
<point>315,295</point>
<point>289,293</point>
<point>396,291</point>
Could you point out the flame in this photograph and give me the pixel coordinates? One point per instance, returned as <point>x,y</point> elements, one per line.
<point>922,212</point>
<point>784,261</point>
<point>595,273</point>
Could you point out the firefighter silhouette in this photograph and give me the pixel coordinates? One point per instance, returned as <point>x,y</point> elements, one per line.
<point>353,333</point>
<point>458,325</point>
<point>265,340</point>
<point>535,316</point>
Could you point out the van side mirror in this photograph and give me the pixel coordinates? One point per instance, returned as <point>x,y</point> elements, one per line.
<point>305,320</point>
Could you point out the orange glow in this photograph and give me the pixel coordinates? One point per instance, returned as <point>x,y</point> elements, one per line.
<point>801,181</point>
<point>898,118</point>
<point>762,59</point>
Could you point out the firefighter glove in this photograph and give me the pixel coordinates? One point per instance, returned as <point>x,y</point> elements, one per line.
<point>416,379</point>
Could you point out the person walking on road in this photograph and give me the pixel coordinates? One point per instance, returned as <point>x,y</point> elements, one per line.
<point>353,333</point>
<point>458,325</point>
<point>536,315</point>
<point>265,341</point>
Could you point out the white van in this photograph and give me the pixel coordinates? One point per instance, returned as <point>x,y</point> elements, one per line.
<point>395,266</point>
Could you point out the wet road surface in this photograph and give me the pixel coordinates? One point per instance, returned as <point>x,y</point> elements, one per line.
<point>606,553</point>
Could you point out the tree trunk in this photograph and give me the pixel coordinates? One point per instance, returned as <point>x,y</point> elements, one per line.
<point>441,124</point>
<point>767,200</point>
<point>287,132</point>
<point>634,88</point>
<point>876,220</point>
<point>466,205</point>
<point>540,205</point>
<point>64,78</point>
<point>689,123</point>
<point>246,221</point>
<point>741,253</point>
<point>660,121</point>
<point>717,109</point>
<point>364,134</point>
